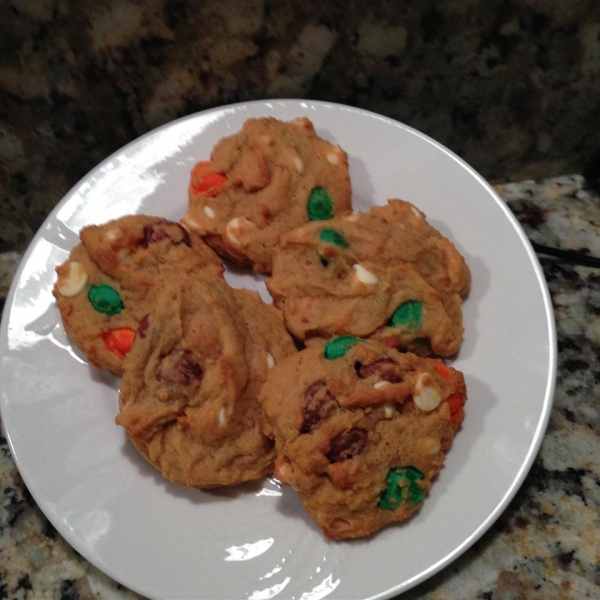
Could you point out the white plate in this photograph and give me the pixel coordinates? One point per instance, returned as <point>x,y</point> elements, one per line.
<point>256,542</point>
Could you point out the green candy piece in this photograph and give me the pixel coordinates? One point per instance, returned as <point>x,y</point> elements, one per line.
<point>320,205</point>
<point>331,236</point>
<point>105,299</point>
<point>408,313</point>
<point>337,347</point>
<point>400,486</point>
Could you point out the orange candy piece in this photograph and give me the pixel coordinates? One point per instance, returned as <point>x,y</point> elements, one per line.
<point>119,341</point>
<point>205,180</point>
<point>442,369</point>
<point>455,403</point>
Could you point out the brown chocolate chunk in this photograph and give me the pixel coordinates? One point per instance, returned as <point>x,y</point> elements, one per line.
<point>347,444</point>
<point>314,408</point>
<point>156,232</point>
<point>381,368</point>
<point>143,325</point>
<point>180,368</point>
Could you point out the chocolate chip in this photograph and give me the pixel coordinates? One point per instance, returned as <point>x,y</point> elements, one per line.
<point>180,368</point>
<point>162,230</point>
<point>316,404</point>
<point>382,368</point>
<point>347,444</point>
<point>313,388</point>
<point>143,325</point>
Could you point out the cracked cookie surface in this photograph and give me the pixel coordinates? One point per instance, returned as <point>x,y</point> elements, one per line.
<point>112,277</point>
<point>361,430</point>
<point>269,178</point>
<point>385,273</point>
<point>189,394</point>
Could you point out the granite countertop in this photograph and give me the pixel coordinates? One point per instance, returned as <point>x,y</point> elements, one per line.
<point>512,89</point>
<point>546,545</point>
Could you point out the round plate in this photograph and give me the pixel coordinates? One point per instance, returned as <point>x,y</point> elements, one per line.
<point>255,541</point>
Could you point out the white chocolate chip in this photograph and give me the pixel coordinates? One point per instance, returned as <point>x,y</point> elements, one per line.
<point>353,217</point>
<point>416,211</point>
<point>434,449</point>
<point>236,228</point>
<point>427,395</point>
<point>222,417</point>
<point>283,471</point>
<point>333,158</point>
<point>429,446</point>
<point>299,165</point>
<point>380,384</point>
<point>190,223</point>
<point>209,212</point>
<point>388,410</point>
<point>112,234</point>
<point>73,281</point>
<point>363,275</point>
<point>270,360</point>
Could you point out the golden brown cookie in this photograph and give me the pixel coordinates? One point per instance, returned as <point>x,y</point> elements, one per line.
<point>111,278</point>
<point>360,430</point>
<point>188,398</point>
<point>385,273</point>
<point>269,178</point>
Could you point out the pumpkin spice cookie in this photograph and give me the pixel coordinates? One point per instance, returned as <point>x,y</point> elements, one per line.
<point>269,178</point>
<point>111,278</point>
<point>189,393</point>
<point>361,430</point>
<point>385,274</point>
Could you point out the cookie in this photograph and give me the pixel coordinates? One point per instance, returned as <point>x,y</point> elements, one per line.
<point>361,430</point>
<point>111,278</point>
<point>269,178</point>
<point>189,393</point>
<point>385,274</point>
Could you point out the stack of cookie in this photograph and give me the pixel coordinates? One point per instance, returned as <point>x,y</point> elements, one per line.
<point>336,388</point>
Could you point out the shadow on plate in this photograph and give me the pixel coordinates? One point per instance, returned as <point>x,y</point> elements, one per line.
<point>101,376</point>
<point>193,495</point>
<point>290,507</point>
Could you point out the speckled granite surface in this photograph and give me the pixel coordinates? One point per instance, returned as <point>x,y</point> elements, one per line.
<point>512,88</point>
<point>545,546</point>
